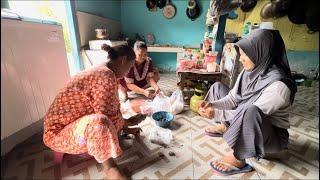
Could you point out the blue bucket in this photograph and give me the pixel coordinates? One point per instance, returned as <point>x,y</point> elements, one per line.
<point>162,118</point>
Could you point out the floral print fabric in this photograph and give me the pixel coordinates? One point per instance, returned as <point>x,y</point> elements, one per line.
<point>85,116</point>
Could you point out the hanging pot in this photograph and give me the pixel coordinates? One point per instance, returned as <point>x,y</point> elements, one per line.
<point>151,5</point>
<point>297,11</point>
<point>161,3</point>
<point>281,7</point>
<point>268,11</point>
<point>312,18</point>
<point>248,5</point>
<point>193,10</point>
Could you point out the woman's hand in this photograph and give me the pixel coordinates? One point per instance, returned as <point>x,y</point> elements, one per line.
<point>206,110</point>
<point>157,90</point>
<point>148,94</point>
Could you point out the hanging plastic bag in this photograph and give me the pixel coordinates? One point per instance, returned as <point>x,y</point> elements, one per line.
<point>177,103</point>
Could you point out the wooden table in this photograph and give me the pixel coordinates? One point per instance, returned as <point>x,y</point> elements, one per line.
<point>187,78</point>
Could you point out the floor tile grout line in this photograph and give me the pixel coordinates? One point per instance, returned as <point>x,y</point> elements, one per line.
<point>256,172</point>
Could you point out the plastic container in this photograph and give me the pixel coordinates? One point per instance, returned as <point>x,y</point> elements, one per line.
<point>162,118</point>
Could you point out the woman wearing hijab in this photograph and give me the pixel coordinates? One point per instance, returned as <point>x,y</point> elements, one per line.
<point>253,115</point>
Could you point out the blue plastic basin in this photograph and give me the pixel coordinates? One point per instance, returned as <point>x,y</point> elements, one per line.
<point>162,118</point>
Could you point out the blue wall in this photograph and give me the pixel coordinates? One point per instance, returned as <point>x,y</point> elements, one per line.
<point>135,18</point>
<point>303,61</point>
<point>106,8</point>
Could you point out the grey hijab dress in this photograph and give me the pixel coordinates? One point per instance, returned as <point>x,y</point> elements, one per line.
<point>250,133</point>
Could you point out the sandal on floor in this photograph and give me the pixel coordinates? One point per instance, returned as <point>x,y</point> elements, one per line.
<point>213,134</point>
<point>233,170</point>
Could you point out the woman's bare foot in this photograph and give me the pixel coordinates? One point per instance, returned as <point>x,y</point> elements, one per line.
<point>230,160</point>
<point>111,170</point>
<point>219,128</point>
<point>114,173</point>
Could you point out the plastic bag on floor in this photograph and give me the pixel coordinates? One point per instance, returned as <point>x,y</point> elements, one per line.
<point>161,103</point>
<point>147,108</point>
<point>177,103</point>
<point>160,136</point>
<point>126,110</point>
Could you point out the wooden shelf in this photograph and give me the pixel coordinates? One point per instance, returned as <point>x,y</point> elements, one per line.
<point>164,49</point>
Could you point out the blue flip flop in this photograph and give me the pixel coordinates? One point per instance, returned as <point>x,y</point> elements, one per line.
<point>233,170</point>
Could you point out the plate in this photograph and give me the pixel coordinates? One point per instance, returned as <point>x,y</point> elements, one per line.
<point>169,11</point>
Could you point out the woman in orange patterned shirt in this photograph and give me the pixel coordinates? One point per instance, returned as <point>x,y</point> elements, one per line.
<point>85,116</point>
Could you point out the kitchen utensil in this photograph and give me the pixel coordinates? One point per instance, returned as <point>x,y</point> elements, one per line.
<point>193,10</point>
<point>248,5</point>
<point>161,3</point>
<point>268,11</point>
<point>169,11</point>
<point>101,33</point>
<point>297,11</point>
<point>151,5</point>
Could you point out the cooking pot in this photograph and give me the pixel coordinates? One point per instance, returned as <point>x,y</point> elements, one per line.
<point>248,5</point>
<point>281,7</point>
<point>151,4</point>
<point>193,10</point>
<point>297,11</point>
<point>268,11</point>
<point>161,3</point>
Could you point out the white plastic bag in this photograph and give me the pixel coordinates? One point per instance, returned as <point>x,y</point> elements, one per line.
<point>126,110</point>
<point>161,103</point>
<point>177,103</point>
<point>147,108</point>
<point>160,135</point>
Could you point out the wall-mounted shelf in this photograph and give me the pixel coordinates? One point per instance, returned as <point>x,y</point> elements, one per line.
<point>165,49</point>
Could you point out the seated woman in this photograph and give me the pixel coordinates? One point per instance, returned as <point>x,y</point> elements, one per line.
<point>141,76</point>
<point>85,115</point>
<point>253,115</point>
